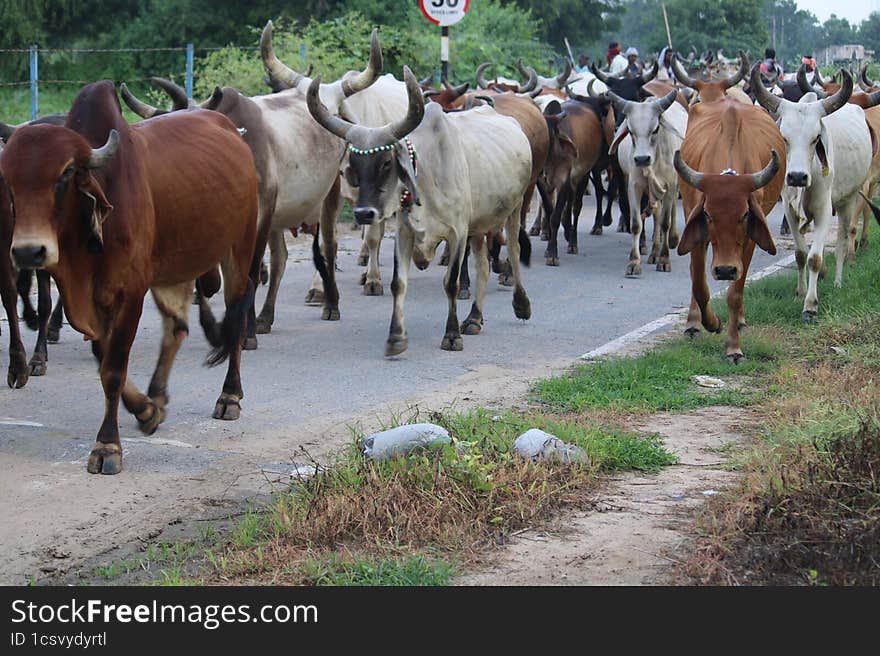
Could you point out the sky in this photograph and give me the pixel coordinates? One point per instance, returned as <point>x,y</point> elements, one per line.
<point>855,11</point>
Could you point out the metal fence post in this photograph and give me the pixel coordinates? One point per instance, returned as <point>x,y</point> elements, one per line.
<point>35,108</point>
<point>189,70</point>
<point>302,55</point>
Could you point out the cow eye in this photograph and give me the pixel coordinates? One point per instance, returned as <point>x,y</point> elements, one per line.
<point>65,176</point>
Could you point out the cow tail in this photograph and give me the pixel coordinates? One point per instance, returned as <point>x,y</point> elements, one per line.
<point>318,258</point>
<point>525,247</point>
<point>232,330</point>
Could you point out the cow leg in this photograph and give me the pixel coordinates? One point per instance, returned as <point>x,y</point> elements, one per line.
<point>29,312</point>
<point>473,324</point>
<point>364,253</point>
<point>866,216</point>
<point>634,266</point>
<point>737,317</point>
<point>17,376</point>
<point>456,247</point>
<point>373,239</point>
<point>700,314</point>
<point>815,258</point>
<point>522,307</point>
<point>277,265</point>
<point>464,277</point>
<point>846,237</point>
<point>667,214</point>
<point>53,333</point>
<point>800,254</point>
<point>577,206</point>
<point>551,256</point>
<point>596,177</point>
<point>403,248</point>
<point>623,199</point>
<point>44,309</point>
<point>112,353</point>
<point>329,212</point>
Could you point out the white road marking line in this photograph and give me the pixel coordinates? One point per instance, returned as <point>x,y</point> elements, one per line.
<point>623,341</point>
<point>8,421</point>
<point>159,441</point>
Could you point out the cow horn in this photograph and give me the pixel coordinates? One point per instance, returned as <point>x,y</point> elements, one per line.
<point>864,81</point>
<point>693,178</point>
<point>531,83</point>
<point>430,93</point>
<point>481,81</point>
<point>619,103</point>
<point>416,107</point>
<point>6,131</point>
<point>767,100</point>
<point>522,69</point>
<point>666,101</point>
<point>805,86</point>
<point>489,100</point>
<point>562,78</point>
<point>104,154</point>
<point>680,74</point>
<point>650,75</point>
<point>817,77</point>
<point>280,75</point>
<point>139,107</point>
<point>598,73</point>
<point>213,102</point>
<point>839,99</point>
<point>873,99</point>
<point>177,94</point>
<point>427,81</point>
<point>371,73</point>
<point>763,177</point>
<point>590,92</point>
<point>334,124</point>
<point>740,74</point>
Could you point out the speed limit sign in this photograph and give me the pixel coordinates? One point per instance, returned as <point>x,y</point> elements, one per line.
<point>444,12</point>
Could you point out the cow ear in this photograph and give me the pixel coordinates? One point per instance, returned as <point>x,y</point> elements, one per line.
<point>95,207</point>
<point>757,228</point>
<point>351,176</point>
<point>696,231</point>
<point>622,132</point>
<point>822,150</point>
<point>406,170</point>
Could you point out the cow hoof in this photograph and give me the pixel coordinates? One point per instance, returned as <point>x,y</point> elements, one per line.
<point>692,331</point>
<point>572,249</point>
<point>735,358</point>
<point>809,316</point>
<point>227,408</point>
<point>330,314</point>
<point>452,343</point>
<point>551,260</point>
<point>263,326</point>
<point>31,319</point>
<point>53,335</point>
<point>863,243</point>
<point>506,279</point>
<point>471,327</point>
<point>534,231</point>
<point>38,367</point>
<point>464,293</point>
<point>672,241</point>
<point>652,258</point>
<point>105,459</point>
<point>664,265</point>
<point>249,344</point>
<point>314,297</point>
<point>363,260</point>
<point>545,236</point>
<point>373,288</point>
<point>395,345</point>
<point>149,426</point>
<point>522,307</point>
<point>597,230</point>
<point>633,269</point>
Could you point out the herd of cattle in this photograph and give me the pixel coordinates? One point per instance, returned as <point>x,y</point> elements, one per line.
<point>190,197</point>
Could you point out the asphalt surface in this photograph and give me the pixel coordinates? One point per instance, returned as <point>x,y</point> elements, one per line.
<point>308,379</point>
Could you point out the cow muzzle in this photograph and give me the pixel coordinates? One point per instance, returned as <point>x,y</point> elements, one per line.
<point>33,255</point>
<point>725,272</point>
<point>642,160</point>
<point>365,215</point>
<point>797,179</point>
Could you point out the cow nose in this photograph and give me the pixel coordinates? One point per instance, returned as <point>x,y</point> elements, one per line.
<point>796,179</point>
<point>365,215</point>
<point>29,257</point>
<point>642,160</point>
<point>725,273</point>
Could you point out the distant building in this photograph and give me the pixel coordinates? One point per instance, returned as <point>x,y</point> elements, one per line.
<point>835,55</point>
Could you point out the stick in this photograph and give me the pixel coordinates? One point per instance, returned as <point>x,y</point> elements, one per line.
<point>568,47</point>
<point>666,20</point>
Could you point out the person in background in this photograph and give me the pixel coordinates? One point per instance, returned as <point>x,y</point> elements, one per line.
<point>618,66</point>
<point>583,64</point>
<point>613,51</point>
<point>633,65</point>
<point>809,62</point>
<point>665,72</point>
<point>770,67</point>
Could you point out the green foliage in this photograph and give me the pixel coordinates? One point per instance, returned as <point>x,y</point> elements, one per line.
<point>414,570</point>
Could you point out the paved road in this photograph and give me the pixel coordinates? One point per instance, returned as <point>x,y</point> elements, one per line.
<point>307,377</point>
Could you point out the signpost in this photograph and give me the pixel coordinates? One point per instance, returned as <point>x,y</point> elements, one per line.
<point>444,13</point>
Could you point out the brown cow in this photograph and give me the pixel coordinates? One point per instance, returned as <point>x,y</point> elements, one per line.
<point>727,210</point>
<point>155,207</point>
<point>711,90</point>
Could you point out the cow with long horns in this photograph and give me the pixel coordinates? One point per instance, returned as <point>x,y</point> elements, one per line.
<point>711,90</point>
<point>828,148</point>
<point>450,177</point>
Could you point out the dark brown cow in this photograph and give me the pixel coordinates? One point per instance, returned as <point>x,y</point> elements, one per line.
<point>155,207</point>
<point>727,210</point>
<point>711,90</point>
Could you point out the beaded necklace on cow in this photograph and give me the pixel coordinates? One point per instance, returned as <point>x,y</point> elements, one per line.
<point>406,199</point>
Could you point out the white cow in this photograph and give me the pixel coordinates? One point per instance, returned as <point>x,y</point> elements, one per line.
<point>828,149</point>
<point>656,129</point>
<point>455,176</point>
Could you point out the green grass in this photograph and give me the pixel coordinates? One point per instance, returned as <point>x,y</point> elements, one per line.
<point>660,379</point>
<point>15,104</point>
<point>412,571</point>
